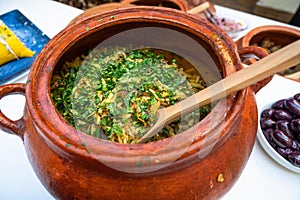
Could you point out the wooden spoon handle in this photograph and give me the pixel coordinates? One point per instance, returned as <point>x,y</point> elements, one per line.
<point>280,60</point>
<point>199,8</point>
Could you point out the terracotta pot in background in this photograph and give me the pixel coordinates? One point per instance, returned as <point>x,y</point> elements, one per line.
<point>280,35</point>
<point>96,10</point>
<point>259,53</point>
<point>175,4</point>
<point>203,162</point>
<point>183,5</point>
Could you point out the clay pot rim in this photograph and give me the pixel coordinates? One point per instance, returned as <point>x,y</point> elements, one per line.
<point>62,137</point>
<point>269,28</point>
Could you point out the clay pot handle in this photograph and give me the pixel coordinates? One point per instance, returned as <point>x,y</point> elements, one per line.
<point>6,124</point>
<point>260,53</point>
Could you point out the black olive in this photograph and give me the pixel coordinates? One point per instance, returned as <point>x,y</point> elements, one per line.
<point>279,104</point>
<point>284,151</point>
<point>282,115</point>
<point>294,158</point>
<point>295,145</point>
<point>267,113</point>
<point>297,97</point>
<point>281,139</point>
<point>283,125</point>
<point>267,123</point>
<point>293,106</point>
<point>267,133</point>
<point>295,127</point>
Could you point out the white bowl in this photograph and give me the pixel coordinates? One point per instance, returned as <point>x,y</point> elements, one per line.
<point>278,88</point>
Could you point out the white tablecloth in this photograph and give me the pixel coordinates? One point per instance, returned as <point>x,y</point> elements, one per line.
<point>262,177</point>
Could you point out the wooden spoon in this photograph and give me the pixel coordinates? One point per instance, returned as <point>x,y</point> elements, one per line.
<point>280,60</point>
<point>200,8</point>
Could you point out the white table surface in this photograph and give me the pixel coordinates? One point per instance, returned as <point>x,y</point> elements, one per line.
<point>262,177</point>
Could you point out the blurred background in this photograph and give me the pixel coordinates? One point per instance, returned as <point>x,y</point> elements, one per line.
<point>279,10</point>
<point>286,11</point>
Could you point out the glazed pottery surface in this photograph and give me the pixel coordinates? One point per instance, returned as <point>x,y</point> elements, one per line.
<point>201,163</point>
<point>281,35</point>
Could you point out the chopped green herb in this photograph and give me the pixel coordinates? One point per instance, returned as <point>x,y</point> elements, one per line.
<point>117,129</point>
<point>139,164</point>
<point>116,92</point>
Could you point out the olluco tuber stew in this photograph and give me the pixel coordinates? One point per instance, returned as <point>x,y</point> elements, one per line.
<point>113,93</point>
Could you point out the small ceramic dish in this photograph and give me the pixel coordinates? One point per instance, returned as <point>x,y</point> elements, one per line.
<point>30,35</point>
<point>279,35</point>
<point>278,88</point>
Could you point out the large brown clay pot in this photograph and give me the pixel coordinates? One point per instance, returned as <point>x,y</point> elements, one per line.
<point>203,162</point>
